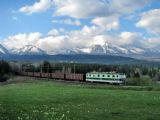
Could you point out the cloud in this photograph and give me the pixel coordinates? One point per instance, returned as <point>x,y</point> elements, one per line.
<point>83,37</point>
<point>131,38</point>
<point>152,42</point>
<point>121,39</point>
<point>81,8</point>
<point>41,5</point>
<point>68,22</point>
<point>53,32</point>
<point>72,22</point>
<point>108,23</point>
<point>20,40</point>
<point>128,6</point>
<point>86,8</point>
<point>97,8</point>
<point>55,42</point>
<point>150,21</point>
<point>104,13</point>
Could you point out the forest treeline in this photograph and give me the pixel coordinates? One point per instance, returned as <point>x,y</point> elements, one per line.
<point>136,74</point>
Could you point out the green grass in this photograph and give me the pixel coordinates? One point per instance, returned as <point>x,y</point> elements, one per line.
<point>58,101</point>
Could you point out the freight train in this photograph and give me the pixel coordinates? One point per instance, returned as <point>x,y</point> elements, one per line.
<point>105,77</point>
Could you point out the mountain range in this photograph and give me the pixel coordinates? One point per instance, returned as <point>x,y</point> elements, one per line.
<point>107,49</point>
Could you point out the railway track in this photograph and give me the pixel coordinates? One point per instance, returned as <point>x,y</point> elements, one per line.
<point>20,79</point>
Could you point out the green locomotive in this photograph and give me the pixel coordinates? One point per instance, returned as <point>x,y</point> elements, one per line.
<point>107,77</point>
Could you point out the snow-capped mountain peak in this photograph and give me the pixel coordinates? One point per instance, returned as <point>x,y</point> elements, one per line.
<point>28,50</point>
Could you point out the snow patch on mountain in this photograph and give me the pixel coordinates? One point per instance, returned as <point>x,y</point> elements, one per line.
<point>134,50</point>
<point>97,49</point>
<point>86,50</point>
<point>110,49</point>
<point>28,50</point>
<point>3,50</point>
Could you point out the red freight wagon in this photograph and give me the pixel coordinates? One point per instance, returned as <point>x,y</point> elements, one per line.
<point>45,75</point>
<point>58,76</point>
<point>30,74</point>
<point>24,73</point>
<point>76,77</point>
<point>37,74</point>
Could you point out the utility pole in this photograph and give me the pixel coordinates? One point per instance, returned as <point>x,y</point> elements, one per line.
<point>48,71</point>
<point>40,68</point>
<point>74,70</point>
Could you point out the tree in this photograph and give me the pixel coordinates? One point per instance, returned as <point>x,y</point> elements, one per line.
<point>4,70</point>
<point>46,67</point>
<point>157,77</point>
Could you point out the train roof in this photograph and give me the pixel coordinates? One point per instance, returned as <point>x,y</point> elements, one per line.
<point>104,73</point>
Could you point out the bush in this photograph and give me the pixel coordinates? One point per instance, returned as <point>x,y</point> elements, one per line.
<point>142,81</point>
<point>4,78</point>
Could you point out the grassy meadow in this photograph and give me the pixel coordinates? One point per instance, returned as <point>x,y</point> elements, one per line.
<point>46,100</point>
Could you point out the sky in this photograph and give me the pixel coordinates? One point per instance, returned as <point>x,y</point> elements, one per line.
<point>53,25</point>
